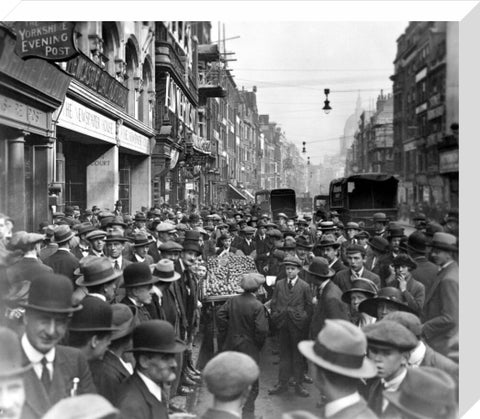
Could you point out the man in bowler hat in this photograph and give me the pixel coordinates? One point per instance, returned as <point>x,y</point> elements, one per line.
<point>154,347</point>
<point>339,363</point>
<point>229,377</point>
<point>291,310</point>
<point>12,372</point>
<point>62,261</point>
<point>58,371</point>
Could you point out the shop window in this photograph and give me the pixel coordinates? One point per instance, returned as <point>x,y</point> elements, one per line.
<point>124,184</point>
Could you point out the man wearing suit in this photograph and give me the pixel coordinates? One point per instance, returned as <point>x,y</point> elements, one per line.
<point>141,244</point>
<point>154,348</point>
<point>246,243</point>
<point>426,271</point>
<point>115,244</point>
<point>291,310</point>
<point>328,302</point>
<point>96,238</point>
<point>110,372</point>
<point>328,248</point>
<point>440,313</point>
<point>379,258</point>
<point>83,247</point>
<point>356,259</point>
<point>30,265</point>
<point>338,355</point>
<point>229,377</point>
<point>58,371</point>
<point>62,261</point>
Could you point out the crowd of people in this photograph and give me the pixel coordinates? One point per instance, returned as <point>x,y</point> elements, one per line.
<point>101,309</point>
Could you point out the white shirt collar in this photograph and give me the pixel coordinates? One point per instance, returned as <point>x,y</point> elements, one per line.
<point>64,249</point>
<point>394,383</point>
<point>322,286</point>
<point>441,268</point>
<point>119,260</point>
<point>333,262</point>
<point>139,258</point>
<point>358,274</point>
<point>151,386</point>
<point>417,355</point>
<point>97,253</point>
<point>335,406</point>
<point>35,357</point>
<point>294,280</point>
<point>101,296</point>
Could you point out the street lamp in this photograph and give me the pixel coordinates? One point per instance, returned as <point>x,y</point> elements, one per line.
<point>304,150</point>
<point>327,108</point>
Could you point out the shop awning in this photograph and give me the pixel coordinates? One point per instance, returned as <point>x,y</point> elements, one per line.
<point>234,193</point>
<point>248,194</point>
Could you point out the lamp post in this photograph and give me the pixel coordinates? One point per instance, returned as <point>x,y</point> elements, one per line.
<point>326,108</point>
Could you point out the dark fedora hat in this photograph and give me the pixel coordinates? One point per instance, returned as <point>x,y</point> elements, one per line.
<point>95,316</point>
<point>137,274</point>
<point>51,293</point>
<point>192,235</point>
<point>444,241</point>
<point>328,242</point>
<point>156,336</point>
<point>62,234</point>
<point>363,234</point>
<point>380,217</point>
<point>116,221</point>
<point>417,242</point>
<point>379,244</point>
<point>425,393</point>
<point>164,270</point>
<point>140,216</point>
<point>84,228</point>
<point>141,239</point>
<point>385,295</point>
<point>303,243</point>
<point>289,244</point>
<point>123,319</point>
<point>96,271</point>
<point>191,247</point>
<point>319,268</point>
<point>116,236</point>
<point>364,285</point>
<point>404,260</point>
<point>11,360</point>
<point>396,232</point>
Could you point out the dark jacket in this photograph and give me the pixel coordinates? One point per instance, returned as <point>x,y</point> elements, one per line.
<point>329,306</point>
<point>440,312</point>
<point>108,375</point>
<point>246,248</point>
<point>437,360</point>
<point>142,313</point>
<point>26,269</point>
<point>414,295</point>
<point>77,252</point>
<point>359,410</point>
<point>425,272</point>
<point>243,325</point>
<point>136,401</point>
<point>338,266</point>
<point>217,414</point>
<point>63,262</point>
<point>343,279</point>
<point>294,304</point>
<point>68,364</point>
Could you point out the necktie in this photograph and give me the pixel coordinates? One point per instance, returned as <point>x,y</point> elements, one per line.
<point>290,284</point>
<point>45,378</point>
<point>116,266</point>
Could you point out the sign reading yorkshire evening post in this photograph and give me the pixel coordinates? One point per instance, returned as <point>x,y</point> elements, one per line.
<point>52,41</point>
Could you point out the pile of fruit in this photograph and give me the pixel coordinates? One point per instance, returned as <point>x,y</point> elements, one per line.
<point>223,274</point>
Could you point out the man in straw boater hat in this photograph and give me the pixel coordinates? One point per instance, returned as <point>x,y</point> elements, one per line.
<point>57,370</point>
<point>12,372</point>
<point>115,367</point>
<point>62,261</point>
<point>389,346</point>
<point>291,310</point>
<point>229,377</point>
<point>142,394</point>
<point>338,358</point>
<point>440,312</point>
<point>425,393</point>
<point>243,326</point>
<point>327,300</point>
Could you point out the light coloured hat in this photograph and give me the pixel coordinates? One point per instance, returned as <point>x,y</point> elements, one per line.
<point>165,271</point>
<point>230,373</point>
<point>11,359</point>
<point>165,227</point>
<point>444,241</point>
<point>340,347</point>
<point>85,406</point>
<point>251,281</point>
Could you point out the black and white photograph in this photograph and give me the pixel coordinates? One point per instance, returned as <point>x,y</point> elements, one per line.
<point>230,218</point>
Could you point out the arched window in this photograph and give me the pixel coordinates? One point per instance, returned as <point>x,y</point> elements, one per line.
<point>144,106</point>
<point>132,81</point>
<point>111,43</point>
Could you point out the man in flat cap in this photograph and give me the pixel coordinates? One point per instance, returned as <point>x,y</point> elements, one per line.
<point>389,346</point>
<point>12,372</point>
<point>57,370</point>
<point>440,313</point>
<point>291,311</point>
<point>142,395</point>
<point>96,238</point>
<point>243,327</point>
<point>229,377</point>
<point>339,362</point>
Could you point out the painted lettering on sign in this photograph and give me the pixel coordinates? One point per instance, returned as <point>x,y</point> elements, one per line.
<point>51,41</point>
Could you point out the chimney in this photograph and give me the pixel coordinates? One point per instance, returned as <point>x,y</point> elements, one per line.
<point>254,89</point>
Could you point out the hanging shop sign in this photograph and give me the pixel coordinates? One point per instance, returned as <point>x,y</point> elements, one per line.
<point>51,41</point>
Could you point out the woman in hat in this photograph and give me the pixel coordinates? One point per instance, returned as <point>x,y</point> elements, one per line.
<point>413,291</point>
<point>243,327</point>
<point>362,289</point>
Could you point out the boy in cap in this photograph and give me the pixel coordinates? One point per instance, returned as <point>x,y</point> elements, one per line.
<point>12,372</point>
<point>57,370</point>
<point>339,362</point>
<point>96,238</point>
<point>229,377</point>
<point>389,346</point>
<point>243,326</point>
<point>291,310</point>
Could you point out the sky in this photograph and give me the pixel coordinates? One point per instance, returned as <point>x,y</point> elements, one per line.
<point>291,63</point>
